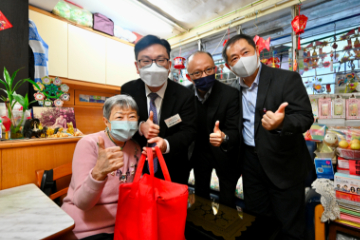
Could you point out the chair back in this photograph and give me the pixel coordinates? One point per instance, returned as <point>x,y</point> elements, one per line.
<point>45,182</point>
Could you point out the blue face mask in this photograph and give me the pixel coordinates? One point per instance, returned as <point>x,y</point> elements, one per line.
<point>123,130</point>
<point>205,83</point>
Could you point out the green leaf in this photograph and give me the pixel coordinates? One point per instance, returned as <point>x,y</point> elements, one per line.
<point>18,84</point>
<point>13,76</point>
<point>20,99</point>
<point>4,91</point>
<point>7,77</point>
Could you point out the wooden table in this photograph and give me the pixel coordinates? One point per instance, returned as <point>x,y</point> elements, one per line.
<point>27,213</point>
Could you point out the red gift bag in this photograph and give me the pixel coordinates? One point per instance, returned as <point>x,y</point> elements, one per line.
<point>151,208</point>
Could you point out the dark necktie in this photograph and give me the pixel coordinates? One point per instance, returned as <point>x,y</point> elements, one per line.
<point>153,97</point>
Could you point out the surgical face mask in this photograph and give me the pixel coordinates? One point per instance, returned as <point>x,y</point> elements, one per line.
<point>205,83</point>
<point>154,76</point>
<point>246,66</point>
<point>123,130</point>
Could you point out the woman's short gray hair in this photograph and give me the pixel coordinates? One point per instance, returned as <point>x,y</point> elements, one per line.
<point>122,100</point>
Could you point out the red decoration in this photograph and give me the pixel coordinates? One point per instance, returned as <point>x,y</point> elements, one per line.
<point>225,42</point>
<point>326,64</point>
<point>179,63</point>
<point>299,25</point>
<point>261,43</point>
<point>4,23</point>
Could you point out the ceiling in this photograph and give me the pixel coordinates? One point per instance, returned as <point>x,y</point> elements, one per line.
<point>141,15</point>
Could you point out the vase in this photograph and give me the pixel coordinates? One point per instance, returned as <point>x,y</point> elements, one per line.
<point>17,124</point>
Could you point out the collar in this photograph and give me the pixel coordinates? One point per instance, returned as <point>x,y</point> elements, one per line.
<point>256,81</point>
<point>207,94</point>
<point>161,92</point>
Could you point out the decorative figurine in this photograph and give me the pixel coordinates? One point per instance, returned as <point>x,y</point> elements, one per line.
<point>32,129</point>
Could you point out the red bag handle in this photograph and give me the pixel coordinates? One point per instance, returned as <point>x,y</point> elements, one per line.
<point>150,157</point>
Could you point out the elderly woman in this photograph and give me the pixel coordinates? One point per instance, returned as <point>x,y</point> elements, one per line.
<point>102,161</point>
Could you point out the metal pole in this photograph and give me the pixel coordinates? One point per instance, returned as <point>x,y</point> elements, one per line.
<point>199,45</point>
<point>238,30</point>
<point>294,38</point>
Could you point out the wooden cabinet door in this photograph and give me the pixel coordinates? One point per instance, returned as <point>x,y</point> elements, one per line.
<point>55,33</point>
<point>87,55</point>
<point>120,67</point>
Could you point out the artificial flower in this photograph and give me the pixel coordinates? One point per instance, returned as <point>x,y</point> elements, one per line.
<point>65,97</point>
<point>41,86</point>
<point>46,80</point>
<point>57,81</point>
<point>64,87</point>
<point>39,96</point>
<point>58,103</point>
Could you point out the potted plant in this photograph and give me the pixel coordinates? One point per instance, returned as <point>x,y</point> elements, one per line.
<point>17,118</point>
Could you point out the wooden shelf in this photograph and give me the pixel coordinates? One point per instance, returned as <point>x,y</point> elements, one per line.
<point>36,142</point>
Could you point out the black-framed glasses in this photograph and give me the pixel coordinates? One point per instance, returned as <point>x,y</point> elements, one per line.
<point>148,62</point>
<point>207,71</point>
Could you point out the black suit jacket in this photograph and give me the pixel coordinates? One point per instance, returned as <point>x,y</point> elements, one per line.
<point>283,155</point>
<point>223,106</point>
<point>177,100</point>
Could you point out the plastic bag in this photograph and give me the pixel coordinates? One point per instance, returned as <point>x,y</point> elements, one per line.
<point>73,13</point>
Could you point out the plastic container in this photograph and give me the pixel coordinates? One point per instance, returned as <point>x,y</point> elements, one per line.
<point>324,155</point>
<point>348,153</point>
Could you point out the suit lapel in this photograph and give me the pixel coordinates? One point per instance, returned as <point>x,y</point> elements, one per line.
<point>142,101</point>
<point>167,106</point>
<point>264,83</point>
<point>213,104</point>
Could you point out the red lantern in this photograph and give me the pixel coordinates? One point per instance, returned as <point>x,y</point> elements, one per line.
<point>299,25</point>
<point>179,63</point>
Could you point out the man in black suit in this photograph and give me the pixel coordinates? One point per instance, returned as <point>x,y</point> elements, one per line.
<point>275,112</point>
<point>217,138</point>
<point>160,99</point>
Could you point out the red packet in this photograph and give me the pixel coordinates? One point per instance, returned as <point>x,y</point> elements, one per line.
<point>4,23</point>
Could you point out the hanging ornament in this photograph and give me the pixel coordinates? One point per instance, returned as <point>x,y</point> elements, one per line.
<point>261,43</point>
<point>179,63</point>
<point>4,23</point>
<point>221,67</point>
<point>299,24</point>
<point>307,58</point>
<point>328,88</point>
<point>331,63</point>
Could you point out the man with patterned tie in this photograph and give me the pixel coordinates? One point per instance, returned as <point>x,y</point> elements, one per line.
<point>166,109</point>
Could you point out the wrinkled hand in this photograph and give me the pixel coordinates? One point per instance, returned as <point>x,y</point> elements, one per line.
<point>149,128</point>
<point>109,160</point>
<point>160,142</point>
<point>272,121</point>
<point>217,137</point>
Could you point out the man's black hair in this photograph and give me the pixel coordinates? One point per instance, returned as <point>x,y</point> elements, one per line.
<point>197,52</point>
<point>149,40</point>
<point>233,40</point>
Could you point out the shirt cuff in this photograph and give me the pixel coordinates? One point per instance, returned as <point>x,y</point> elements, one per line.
<point>167,146</point>
<point>141,134</point>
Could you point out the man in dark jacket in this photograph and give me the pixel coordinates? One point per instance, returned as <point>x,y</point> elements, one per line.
<point>275,111</point>
<point>217,139</point>
<point>166,109</point>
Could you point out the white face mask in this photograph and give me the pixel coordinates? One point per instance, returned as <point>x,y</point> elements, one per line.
<point>154,76</point>
<point>246,66</point>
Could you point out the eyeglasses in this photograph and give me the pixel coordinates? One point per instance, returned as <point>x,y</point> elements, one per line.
<point>148,62</point>
<point>207,71</point>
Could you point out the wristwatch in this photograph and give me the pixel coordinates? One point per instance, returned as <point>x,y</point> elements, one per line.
<point>225,138</point>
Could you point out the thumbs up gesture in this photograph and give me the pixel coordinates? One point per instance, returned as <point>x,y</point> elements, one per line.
<point>271,120</point>
<point>149,129</point>
<point>217,137</point>
<point>109,160</point>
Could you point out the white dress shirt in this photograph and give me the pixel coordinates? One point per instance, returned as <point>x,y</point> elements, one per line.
<point>158,104</point>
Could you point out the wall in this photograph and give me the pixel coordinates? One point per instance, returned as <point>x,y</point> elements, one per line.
<point>14,41</point>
